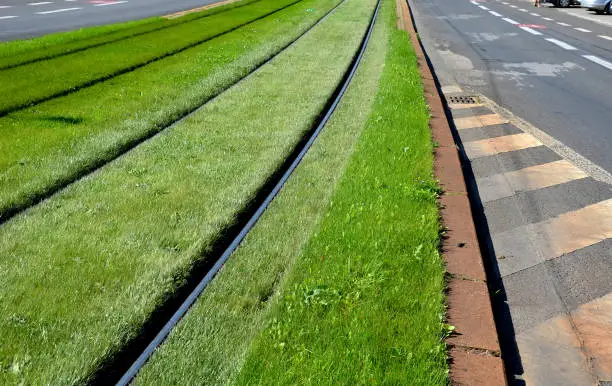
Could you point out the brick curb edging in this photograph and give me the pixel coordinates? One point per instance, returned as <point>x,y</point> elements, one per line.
<point>474,351</point>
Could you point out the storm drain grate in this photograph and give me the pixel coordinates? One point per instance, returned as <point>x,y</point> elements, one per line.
<point>466,100</point>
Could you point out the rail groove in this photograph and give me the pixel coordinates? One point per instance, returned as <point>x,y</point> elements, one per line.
<point>126,70</point>
<point>293,161</point>
<point>7,213</point>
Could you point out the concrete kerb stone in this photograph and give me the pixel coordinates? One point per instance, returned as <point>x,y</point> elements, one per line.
<point>474,348</point>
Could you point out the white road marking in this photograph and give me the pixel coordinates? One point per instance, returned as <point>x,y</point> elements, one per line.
<point>483,7</point>
<point>5,6</point>
<point>475,3</point>
<point>513,6</point>
<point>495,14</point>
<point>113,3</point>
<point>535,14</point>
<point>530,30</point>
<point>599,61</point>
<point>7,17</point>
<point>504,3</point>
<point>58,10</point>
<point>523,10</point>
<point>511,21</point>
<point>564,24</point>
<point>582,29</point>
<point>548,19</point>
<point>41,3</point>
<point>561,44</point>
<point>605,37</point>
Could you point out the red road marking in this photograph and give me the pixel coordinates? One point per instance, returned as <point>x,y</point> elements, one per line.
<point>535,26</point>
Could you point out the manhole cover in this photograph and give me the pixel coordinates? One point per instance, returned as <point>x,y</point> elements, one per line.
<point>467,100</point>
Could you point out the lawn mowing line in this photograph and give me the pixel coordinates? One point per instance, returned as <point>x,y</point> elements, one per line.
<point>6,214</point>
<point>129,69</point>
<point>53,56</point>
<point>193,296</point>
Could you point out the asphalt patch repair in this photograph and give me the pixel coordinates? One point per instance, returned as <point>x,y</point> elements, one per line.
<point>474,352</point>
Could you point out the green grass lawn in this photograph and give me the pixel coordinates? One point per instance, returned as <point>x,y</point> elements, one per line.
<point>35,82</point>
<point>49,145</point>
<point>17,52</point>
<point>351,290</point>
<point>88,266</point>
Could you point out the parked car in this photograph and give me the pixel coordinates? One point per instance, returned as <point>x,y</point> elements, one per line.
<point>565,3</point>
<point>599,6</point>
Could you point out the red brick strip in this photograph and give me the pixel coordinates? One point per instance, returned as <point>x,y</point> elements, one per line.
<point>474,348</point>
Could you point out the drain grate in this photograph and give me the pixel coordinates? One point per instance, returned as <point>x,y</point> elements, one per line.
<point>466,100</point>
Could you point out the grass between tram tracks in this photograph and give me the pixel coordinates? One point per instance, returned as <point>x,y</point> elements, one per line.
<point>18,52</point>
<point>50,145</point>
<point>87,267</point>
<point>341,281</point>
<point>35,82</point>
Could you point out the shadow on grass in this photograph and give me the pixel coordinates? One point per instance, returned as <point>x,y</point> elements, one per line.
<point>65,120</point>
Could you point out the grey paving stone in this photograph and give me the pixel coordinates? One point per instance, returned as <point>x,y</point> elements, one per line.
<point>511,161</point>
<point>473,111</point>
<point>583,275</point>
<point>493,131</point>
<point>532,297</point>
<point>542,204</point>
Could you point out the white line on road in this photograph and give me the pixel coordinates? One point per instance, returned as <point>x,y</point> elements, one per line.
<point>495,14</point>
<point>548,19</point>
<point>511,21</point>
<point>41,3</point>
<point>582,29</point>
<point>561,44</point>
<point>483,7</point>
<point>564,24</point>
<point>513,6</point>
<point>7,17</point>
<point>5,6</point>
<point>605,37</point>
<point>530,30</point>
<point>58,10</point>
<point>113,3</point>
<point>535,14</point>
<point>599,61</point>
<point>504,3</point>
<point>523,10</point>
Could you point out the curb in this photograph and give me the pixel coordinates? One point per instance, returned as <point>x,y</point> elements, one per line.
<point>474,353</point>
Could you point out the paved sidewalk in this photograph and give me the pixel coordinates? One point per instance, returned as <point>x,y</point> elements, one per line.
<point>550,227</point>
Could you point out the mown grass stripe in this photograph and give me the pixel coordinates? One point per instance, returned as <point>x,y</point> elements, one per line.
<point>34,167</point>
<point>27,87</point>
<point>90,265</point>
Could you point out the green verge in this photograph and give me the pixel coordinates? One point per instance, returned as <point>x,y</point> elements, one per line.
<point>88,267</point>
<point>364,303</point>
<point>39,81</point>
<point>17,52</point>
<point>351,290</point>
<point>50,145</point>
<point>210,344</point>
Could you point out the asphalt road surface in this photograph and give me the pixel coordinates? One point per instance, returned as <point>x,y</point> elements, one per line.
<point>28,18</point>
<point>540,150</point>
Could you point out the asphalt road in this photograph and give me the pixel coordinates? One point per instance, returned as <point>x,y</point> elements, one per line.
<point>541,163</point>
<point>28,18</point>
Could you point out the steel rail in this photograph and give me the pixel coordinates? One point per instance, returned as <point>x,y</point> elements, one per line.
<point>199,289</point>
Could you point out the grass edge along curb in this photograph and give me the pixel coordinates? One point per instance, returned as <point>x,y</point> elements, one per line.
<point>67,42</point>
<point>216,331</point>
<point>105,253</point>
<point>130,137</point>
<point>361,305</point>
<point>476,355</point>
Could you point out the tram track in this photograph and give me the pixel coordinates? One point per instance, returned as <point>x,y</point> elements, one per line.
<point>240,231</point>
